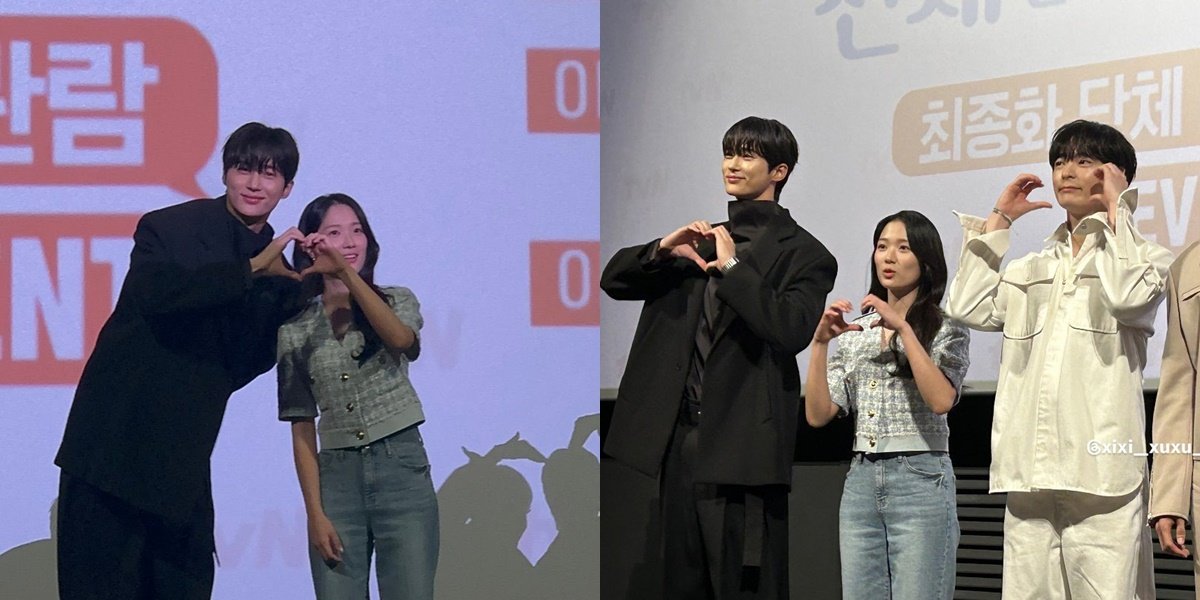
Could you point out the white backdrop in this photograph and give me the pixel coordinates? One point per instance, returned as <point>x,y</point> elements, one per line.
<point>932,105</point>
<point>468,132</point>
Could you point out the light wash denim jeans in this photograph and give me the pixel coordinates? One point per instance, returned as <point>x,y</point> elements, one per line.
<point>380,498</point>
<point>899,528</point>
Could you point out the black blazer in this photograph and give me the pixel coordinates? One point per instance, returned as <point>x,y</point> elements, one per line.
<point>772,303</point>
<point>190,327</point>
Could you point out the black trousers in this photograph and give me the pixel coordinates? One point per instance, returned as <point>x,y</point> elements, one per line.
<point>719,541</point>
<point>110,549</point>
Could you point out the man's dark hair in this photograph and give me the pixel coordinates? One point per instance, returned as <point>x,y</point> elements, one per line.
<point>255,146</point>
<point>767,138</point>
<point>1098,141</point>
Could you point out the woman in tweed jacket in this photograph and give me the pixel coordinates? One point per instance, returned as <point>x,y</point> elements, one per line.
<point>345,357</point>
<point>899,368</point>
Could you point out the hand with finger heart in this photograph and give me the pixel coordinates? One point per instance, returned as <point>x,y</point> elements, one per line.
<point>308,244</point>
<point>889,318</point>
<point>833,322</point>
<point>326,260</point>
<point>682,242</point>
<point>725,247</point>
<point>269,262</point>
<point>1014,201</point>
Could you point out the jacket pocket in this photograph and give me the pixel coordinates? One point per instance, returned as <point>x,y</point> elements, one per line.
<point>1092,323</point>
<point>1030,286</point>
<point>1189,294</point>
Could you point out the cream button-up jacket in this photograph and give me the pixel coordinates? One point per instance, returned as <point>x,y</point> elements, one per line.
<point>1069,411</point>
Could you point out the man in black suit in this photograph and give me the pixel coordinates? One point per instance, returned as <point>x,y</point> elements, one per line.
<point>196,320</point>
<point>711,393</point>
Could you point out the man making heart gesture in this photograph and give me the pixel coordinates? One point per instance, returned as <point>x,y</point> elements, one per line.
<point>196,319</point>
<point>711,391</point>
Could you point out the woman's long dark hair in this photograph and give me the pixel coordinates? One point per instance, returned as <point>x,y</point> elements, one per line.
<point>925,314</point>
<point>310,222</point>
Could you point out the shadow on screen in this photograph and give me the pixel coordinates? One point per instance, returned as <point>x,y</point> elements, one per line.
<point>484,505</point>
<point>30,571</point>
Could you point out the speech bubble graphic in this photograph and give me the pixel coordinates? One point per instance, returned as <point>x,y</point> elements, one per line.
<point>59,278</point>
<point>105,101</point>
<point>1010,120</point>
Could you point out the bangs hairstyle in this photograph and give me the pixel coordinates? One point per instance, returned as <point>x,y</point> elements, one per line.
<point>767,138</point>
<point>255,146</point>
<point>1089,139</point>
<point>925,314</point>
<point>310,222</point>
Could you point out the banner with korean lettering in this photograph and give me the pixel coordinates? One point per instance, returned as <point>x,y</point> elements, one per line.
<point>477,164</point>
<point>930,105</point>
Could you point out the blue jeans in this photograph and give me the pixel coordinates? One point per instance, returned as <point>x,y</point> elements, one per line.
<point>899,527</point>
<point>380,498</point>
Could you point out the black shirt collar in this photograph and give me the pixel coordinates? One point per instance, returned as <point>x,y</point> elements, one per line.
<point>249,242</point>
<point>749,218</point>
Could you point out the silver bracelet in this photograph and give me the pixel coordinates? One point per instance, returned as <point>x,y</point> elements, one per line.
<point>1001,213</point>
<point>729,264</point>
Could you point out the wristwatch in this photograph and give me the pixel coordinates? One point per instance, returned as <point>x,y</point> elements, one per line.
<point>727,265</point>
